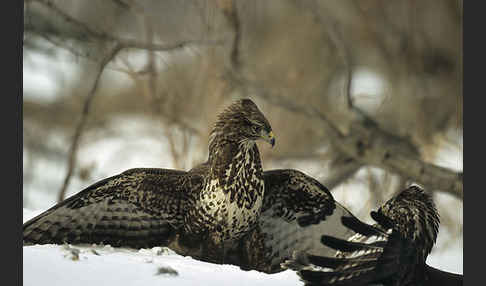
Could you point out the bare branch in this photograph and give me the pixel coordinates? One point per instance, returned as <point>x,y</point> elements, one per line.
<point>290,105</point>
<point>102,35</point>
<point>110,54</point>
<point>341,48</point>
<point>368,144</point>
<point>230,11</point>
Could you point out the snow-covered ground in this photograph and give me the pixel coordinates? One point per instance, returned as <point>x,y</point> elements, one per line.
<point>104,265</point>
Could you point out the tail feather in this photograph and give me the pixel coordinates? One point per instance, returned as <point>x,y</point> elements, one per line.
<point>344,263</point>
<point>350,246</point>
<point>360,227</point>
<point>355,277</point>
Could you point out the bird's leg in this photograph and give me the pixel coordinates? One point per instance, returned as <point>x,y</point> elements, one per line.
<point>218,244</point>
<point>222,247</point>
<point>253,252</point>
<point>211,248</point>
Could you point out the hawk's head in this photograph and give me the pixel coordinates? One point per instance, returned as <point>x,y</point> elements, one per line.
<point>243,121</point>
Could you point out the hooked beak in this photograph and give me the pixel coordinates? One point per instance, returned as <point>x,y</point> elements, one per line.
<point>269,137</point>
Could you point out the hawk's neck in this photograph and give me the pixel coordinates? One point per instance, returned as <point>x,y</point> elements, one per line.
<point>236,170</point>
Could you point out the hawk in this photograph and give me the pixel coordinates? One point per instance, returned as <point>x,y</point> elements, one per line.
<point>226,210</point>
<point>391,252</point>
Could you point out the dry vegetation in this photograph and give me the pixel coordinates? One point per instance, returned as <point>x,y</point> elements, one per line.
<point>297,59</point>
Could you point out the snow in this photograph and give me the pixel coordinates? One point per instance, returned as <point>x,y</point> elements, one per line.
<point>54,265</point>
<point>450,260</point>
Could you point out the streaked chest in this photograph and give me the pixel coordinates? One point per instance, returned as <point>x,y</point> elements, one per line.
<point>231,202</point>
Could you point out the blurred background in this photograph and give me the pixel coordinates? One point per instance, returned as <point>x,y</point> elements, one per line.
<point>365,96</point>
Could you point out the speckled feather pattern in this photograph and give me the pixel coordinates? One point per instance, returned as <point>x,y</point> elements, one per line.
<point>415,217</point>
<point>140,204</point>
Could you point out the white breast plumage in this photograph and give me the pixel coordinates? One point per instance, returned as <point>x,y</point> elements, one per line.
<point>224,212</point>
<point>232,207</point>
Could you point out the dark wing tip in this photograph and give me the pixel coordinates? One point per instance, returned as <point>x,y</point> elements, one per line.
<point>383,220</point>
<point>360,227</point>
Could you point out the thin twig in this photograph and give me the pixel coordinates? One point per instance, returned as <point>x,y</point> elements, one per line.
<point>229,10</point>
<point>110,54</point>
<point>341,48</point>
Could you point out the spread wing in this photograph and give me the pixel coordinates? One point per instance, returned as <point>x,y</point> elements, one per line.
<point>392,251</point>
<point>297,210</point>
<point>370,256</point>
<point>137,208</point>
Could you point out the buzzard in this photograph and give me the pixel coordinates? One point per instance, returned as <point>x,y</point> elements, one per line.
<point>226,210</point>
<point>391,252</point>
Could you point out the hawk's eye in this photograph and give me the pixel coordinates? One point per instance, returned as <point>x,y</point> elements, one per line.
<point>256,129</point>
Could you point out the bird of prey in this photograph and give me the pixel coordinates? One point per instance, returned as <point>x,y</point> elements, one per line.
<point>226,210</point>
<point>391,252</point>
